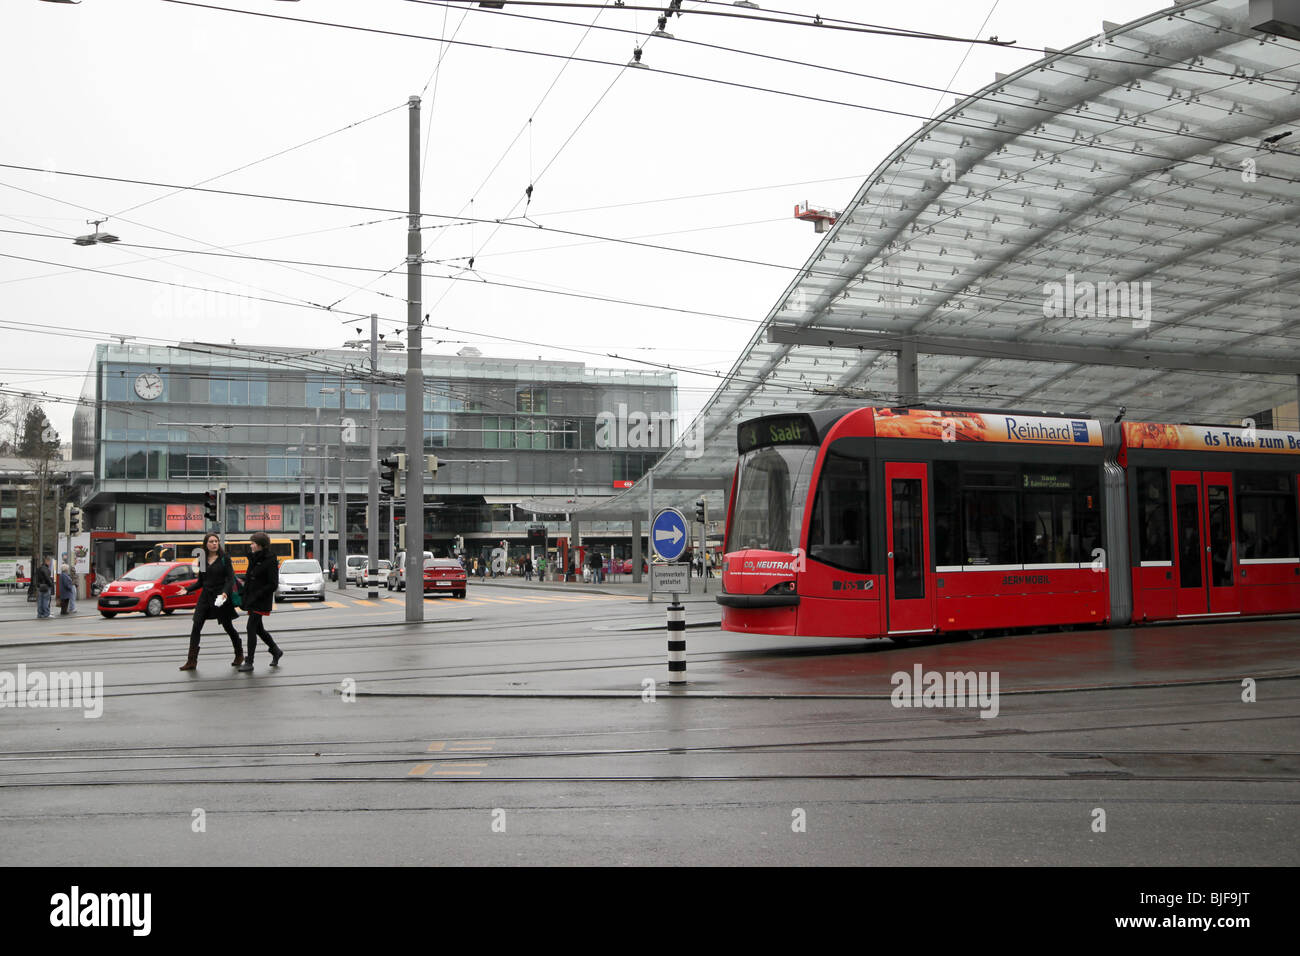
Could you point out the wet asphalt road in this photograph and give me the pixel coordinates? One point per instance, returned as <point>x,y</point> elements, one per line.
<point>519,727</point>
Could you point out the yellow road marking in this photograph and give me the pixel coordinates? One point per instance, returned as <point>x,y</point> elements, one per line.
<point>419,770</point>
<point>462,769</point>
<point>437,745</point>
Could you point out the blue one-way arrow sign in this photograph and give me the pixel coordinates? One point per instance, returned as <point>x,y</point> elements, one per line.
<point>668,534</point>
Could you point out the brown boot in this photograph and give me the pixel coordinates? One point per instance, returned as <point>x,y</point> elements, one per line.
<point>192,661</point>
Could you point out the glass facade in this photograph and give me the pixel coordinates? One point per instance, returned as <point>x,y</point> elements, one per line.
<point>163,424</point>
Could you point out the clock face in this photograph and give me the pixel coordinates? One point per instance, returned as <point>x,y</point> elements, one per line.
<point>149,386</point>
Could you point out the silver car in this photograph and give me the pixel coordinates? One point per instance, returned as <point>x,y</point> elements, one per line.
<point>301,578</point>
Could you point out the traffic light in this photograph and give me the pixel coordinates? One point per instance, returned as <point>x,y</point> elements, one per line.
<point>431,465</point>
<point>210,506</point>
<point>700,514</point>
<point>74,520</point>
<point>460,543</point>
<point>401,536</point>
<point>391,475</point>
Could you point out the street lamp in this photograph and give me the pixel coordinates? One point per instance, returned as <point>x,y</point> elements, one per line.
<point>97,236</point>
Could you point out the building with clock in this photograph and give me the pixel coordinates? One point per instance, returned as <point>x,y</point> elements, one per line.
<point>162,426</point>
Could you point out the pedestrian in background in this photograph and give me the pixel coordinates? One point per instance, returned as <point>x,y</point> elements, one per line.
<point>260,584</point>
<point>65,589</point>
<point>217,580</point>
<point>44,583</point>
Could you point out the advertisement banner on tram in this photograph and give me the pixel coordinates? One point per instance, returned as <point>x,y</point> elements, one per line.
<point>1209,438</point>
<point>959,426</point>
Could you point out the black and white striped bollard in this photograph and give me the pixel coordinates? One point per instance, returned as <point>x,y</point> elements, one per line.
<point>676,643</point>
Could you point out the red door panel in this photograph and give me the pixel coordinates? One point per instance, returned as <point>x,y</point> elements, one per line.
<point>1189,550</point>
<point>1221,543</point>
<point>908,585</point>
<point>1205,558</point>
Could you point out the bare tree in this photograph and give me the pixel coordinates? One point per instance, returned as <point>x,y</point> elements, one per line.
<point>38,446</point>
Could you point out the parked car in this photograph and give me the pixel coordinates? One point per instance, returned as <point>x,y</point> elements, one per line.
<point>356,567</point>
<point>360,576</point>
<point>396,580</point>
<point>301,578</point>
<point>159,587</point>
<point>444,575</point>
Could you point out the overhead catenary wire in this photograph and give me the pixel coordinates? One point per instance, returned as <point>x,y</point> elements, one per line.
<point>954,122</point>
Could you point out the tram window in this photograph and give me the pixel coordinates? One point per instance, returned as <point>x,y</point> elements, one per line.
<point>838,532</point>
<point>1219,531</point>
<point>1048,529</point>
<point>1188,500</point>
<point>947,515</point>
<point>1266,515</point>
<point>770,497</point>
<point>1153,514</point>
<point>907,545</point>
<point>990,526</point>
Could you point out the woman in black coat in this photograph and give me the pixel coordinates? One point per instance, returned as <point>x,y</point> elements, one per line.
<point>260,585</point>
<point>217,579</point>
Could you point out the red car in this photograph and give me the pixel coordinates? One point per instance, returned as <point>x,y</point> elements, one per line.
<point>157,588</point>
<point>443,575</point>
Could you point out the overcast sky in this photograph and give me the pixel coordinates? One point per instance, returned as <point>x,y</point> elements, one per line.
<point>172,93</point>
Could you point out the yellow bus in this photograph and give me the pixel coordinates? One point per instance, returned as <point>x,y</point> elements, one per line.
<point>282,548</point>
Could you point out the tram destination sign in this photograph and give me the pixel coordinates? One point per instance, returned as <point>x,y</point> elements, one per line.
<point>776,430</point>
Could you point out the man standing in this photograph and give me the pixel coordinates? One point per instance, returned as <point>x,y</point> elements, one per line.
<point>44,582</point>
<point>65,589</point>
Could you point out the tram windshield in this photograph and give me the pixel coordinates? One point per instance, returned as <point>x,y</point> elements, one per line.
<point>771,492</point>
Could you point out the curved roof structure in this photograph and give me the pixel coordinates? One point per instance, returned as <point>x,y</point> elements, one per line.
<point>1113,226</point>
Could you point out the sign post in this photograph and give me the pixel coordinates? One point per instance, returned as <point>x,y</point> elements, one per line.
<point>669,535</point>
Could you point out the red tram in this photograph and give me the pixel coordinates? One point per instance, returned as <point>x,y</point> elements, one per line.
<point>877,522</point>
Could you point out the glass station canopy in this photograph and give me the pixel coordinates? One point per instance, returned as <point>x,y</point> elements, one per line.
<point>1111,227</point>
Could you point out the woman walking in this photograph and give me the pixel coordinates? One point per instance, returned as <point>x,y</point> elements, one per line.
<point>259,596</point>
<point>217,579</point>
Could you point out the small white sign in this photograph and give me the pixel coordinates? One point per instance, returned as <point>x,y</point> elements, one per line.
<point>670,578</point>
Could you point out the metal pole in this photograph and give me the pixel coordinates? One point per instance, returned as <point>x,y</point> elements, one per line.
<point>324,510</point>
<point>650,534</point>
<point>315,504</point>
<point>414,386</point>
<point>372,477</point>
<point>302,505</point>
<point>676,642</point>
<point>341,548</point>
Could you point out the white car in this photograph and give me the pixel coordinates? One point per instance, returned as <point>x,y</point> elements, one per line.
<point>359,577</point>
<point>396,579</point>
<point>356,568</point>
<point>358,574</point>
<point>301,578</point>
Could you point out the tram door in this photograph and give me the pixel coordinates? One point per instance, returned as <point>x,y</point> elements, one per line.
<point>1206,556</point>
<point>907,548</point>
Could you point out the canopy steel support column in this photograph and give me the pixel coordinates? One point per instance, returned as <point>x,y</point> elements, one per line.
<point>908,392</point>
